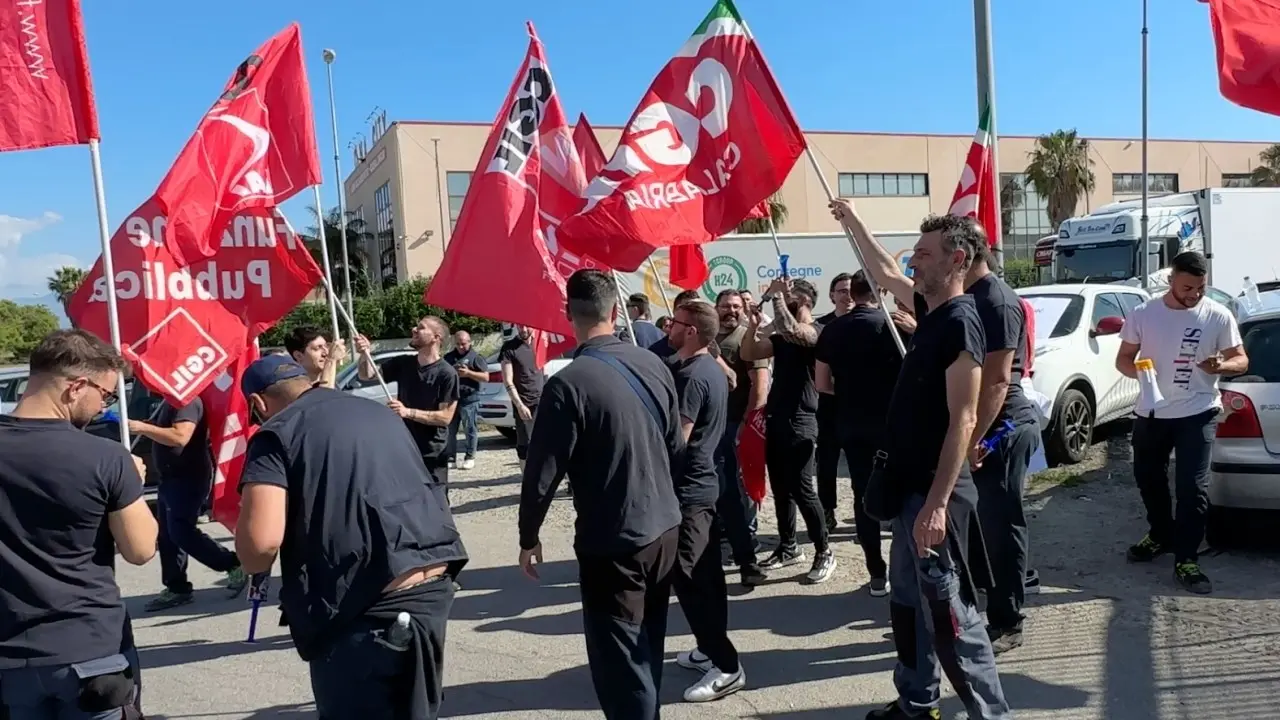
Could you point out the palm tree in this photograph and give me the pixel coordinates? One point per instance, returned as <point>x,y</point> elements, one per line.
<point>64,282</point>
<point>1268,173</point>
<point>777,211</point>
<point>359,238</point>
<point>1012,193</point>
<point>1060,170</point>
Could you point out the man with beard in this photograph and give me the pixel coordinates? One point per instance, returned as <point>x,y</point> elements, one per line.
<point>922,481</point>
<point>857,366</point>
<point>828,438</point>
<point>336,486</point>
<point>68,502</point>
<point>426,391</point>
<point>472,370</point>
<point>1191,340</point>
<point>611,423</point>
<point>736,511</point>
<point>791,428</point>
<point>523,381</point>
<point>663,347</point>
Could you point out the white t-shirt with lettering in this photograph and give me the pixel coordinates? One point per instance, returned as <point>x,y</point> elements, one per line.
<point>1177,341</point>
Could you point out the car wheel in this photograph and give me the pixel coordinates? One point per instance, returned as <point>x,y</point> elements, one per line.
<point>508,433</point>
<point>1071,433</point>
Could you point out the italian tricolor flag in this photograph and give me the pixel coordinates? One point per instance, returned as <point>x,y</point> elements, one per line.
<point>976,194</point>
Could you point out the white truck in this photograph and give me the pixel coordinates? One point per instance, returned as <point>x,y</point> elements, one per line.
<point>1232,226</point>
<point>750,262</point>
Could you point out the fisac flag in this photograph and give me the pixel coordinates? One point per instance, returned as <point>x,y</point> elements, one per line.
<point>528,179</point>
<point>712,137</point>
<point>255,148</point>
<point>230,428</point>
<point>1247,36</point>
<point>46,97</point>
<point>976,193</point>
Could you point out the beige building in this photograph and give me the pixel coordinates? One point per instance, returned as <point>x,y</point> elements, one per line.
<point>408,187</point>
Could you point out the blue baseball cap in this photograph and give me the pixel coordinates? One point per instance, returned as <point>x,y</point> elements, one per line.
<point>267,371</point>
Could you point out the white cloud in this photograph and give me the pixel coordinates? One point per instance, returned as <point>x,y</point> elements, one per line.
<point>24,275</point>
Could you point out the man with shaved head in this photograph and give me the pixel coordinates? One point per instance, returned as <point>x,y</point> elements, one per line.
<point>472,370</point>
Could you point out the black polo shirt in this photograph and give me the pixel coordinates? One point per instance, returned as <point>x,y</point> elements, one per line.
<point>424,387</point>
<point>468,389</point>
<point>1005,327</point>
<point>594,427</point>
<point>525,372</point>
<point>703,391</point>
<point>59,602</point>
<point>918,417</point>
<point>362,509</point>
<point>192,461</point>
<point>793,396</point>
<point>864,362</point>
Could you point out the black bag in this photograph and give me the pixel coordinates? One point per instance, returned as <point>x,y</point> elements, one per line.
<point>885,496</point>
<point>105,684</point>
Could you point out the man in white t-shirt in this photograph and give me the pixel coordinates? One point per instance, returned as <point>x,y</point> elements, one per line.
<point>1191,340</point>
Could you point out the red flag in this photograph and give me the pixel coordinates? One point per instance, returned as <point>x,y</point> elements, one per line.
<point>688,267</point>
<point>255,148</point>
<point>976,192</point>
<point>180,324</point>
<point>46,94</point>
<point>759,212</point>
<point>712,137</point>
<point>230,427</point>
<point>529,178</point>
<point>1247,36</point>
<point>751,462</point>
<point>589,150</point>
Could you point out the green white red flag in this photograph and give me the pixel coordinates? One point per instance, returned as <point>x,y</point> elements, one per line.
<point>976,194</point>
<point>712,137</point>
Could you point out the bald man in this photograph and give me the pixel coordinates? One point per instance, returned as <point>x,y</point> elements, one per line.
<point>472,370</point>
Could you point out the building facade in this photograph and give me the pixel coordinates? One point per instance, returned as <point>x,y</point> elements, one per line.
<point>408,187</point>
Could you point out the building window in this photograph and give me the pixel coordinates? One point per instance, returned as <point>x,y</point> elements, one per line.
<point>384,231</point>
<point>1131,183</point>
<point>1024,217</point>
<point>1237,180</point>
<point>884,185</point>
<point>457,184</point>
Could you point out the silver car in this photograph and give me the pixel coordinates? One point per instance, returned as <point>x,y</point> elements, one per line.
<point>13,382</point>
<point>1245,468</point>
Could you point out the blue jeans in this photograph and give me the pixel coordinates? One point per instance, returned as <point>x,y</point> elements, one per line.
<point>736,511</point>
<point>936,630</point>
<point>466,417</point>
<point>47,693</point>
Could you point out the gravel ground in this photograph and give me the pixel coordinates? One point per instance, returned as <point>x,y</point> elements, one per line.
<point>1106,640</point>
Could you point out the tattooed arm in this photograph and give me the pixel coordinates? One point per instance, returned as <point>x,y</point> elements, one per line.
<point>786,325</point>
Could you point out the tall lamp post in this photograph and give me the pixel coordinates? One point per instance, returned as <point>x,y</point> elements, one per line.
<point>444,223</point>
<point>1144,259</point>
<point>987,99</point>
<point>329,57</point>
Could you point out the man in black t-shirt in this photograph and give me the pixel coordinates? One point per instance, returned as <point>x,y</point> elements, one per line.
<point>923,479</point>
<point>699,580</point>
<point>336,486</point>
<point>472,370</point>
<point>68,502</point>
<point>857,366</point>
<point>791,423</point>
<point>828,450</point>
<point>523,379</point>
<point>180,452</point>
<point>426,391</point>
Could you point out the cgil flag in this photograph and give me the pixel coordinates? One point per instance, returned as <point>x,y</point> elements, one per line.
<point>529,178</point>
<point>230,427</point>
<point>712,137</point>
<point>976,192</point>
<point>1246,35</point>
<point>255,148</point>
<point>46,94</point>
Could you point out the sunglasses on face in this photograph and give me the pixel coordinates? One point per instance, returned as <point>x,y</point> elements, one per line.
<point>109,397</point>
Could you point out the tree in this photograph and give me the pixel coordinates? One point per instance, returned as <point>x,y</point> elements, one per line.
<point>1060,170</point>
<point>358,239</point>
<point>64,282</point>
<point>1267,174</point>
<point>777,211</point>
<point>22,327</point>
<point>1012,193</point>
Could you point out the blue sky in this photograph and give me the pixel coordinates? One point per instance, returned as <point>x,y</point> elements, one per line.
<point>902,66</point>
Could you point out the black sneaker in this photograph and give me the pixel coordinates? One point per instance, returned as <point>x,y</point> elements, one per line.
<point>1002,641</point>
<point>832,523</point>
<point>894,711</point>
<point>1189,576</point>
<point>167,600</point>
<point>824,565</point>
<point>1146,550</point>
<point>783,557</point>
<point>752,575</point>
<point>1031,586</point>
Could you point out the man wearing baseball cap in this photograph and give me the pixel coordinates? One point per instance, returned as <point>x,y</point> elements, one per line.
<point>335,485</point>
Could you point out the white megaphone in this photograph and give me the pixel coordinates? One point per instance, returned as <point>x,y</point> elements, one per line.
<point>1148,389</point>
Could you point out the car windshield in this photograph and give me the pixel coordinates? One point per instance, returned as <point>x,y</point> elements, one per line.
<point>1056,315</point>
<point>1095,263</point>
<point>1262,345</point>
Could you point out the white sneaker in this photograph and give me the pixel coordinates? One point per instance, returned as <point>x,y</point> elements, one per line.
<point>468,464</point>
<point>715,685</point>
<point>694,660</point>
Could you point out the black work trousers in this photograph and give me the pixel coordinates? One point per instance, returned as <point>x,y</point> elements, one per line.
<point>1001,481</point>
<point>700,587</point>
<point>860,450</point>
<point>789,456</point>
<point>1191,439</point>
<point>828,453</point>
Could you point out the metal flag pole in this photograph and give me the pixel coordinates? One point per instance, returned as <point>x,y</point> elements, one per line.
<point>987,99</point>
<point>662,287</point>
<point>1144,262</point>
<point>109,273</point>
<point>857,253</point>
<point>626,317</point>
<point>329,57</point>
<point>328,270</point>
<point>351,323</point>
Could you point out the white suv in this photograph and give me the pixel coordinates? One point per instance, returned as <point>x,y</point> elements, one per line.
<point>1076,339</point>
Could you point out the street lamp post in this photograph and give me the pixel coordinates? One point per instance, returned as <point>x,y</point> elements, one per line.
<point>987,99</point>
<point>329,57</point>
<point>1144,259</point>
